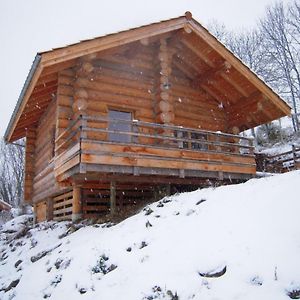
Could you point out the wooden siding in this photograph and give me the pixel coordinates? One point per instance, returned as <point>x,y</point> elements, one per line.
<point>29,164</point>
<point>44,183</point>
<point>40,210</point>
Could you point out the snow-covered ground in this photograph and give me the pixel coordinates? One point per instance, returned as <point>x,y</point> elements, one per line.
<point>232,242</point>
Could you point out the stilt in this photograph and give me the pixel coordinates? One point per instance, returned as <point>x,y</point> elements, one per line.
<point>112,197</point>
<point>34,214</point>
<point>77,205</point>
<point>49,209</point>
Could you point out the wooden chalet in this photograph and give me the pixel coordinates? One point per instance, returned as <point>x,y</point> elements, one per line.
<point>109,120</point>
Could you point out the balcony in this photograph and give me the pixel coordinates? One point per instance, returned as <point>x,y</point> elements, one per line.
<point>130,147</point>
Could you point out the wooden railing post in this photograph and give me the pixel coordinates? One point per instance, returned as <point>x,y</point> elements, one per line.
<point>251,144</point>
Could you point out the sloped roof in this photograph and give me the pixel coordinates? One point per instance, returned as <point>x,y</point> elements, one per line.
<point>41,84</point>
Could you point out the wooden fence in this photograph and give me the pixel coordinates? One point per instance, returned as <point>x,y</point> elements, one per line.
<point>279,163</point>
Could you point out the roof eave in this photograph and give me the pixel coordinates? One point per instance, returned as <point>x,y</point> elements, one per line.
<point>13,119</point>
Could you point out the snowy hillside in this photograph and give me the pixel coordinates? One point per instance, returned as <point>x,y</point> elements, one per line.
<point>234,242</point>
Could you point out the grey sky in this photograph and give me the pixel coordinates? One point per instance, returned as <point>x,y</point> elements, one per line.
<point>30,26</point>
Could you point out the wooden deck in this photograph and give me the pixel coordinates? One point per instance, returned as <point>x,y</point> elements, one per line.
<point>150,149</point>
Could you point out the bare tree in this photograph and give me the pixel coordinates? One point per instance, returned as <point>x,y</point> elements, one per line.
<point>280,29</point>
<point>272,50</point>
<point>11,172</point>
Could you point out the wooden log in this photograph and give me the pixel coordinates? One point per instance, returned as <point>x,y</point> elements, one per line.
<point>76,204</point>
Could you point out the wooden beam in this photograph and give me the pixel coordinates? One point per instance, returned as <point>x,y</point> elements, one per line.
<point>110,41</point>
<point>212,73</point>
<point>239,66</point>
<point>190,43</point>
<point>76,204</point>
<point>244,102</point>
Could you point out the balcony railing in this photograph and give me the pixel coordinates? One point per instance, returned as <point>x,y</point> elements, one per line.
<point>153,134</point>
<point>161,140</point>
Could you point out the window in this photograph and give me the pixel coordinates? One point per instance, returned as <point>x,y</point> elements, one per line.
<point>187,136</point>
<point>200,137</point>
<point>119,126</point>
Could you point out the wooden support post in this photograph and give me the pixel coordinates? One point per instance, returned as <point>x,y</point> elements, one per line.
<point>113,197</point>
<point>168,190</point>
<point>77,204</point>
<point>49,209</point>
<point>156,193</point>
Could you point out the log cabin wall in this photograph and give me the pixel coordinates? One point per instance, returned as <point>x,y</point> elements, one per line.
<point>44,183</point>
<point>130,80</point>
<point>116,81</point>
<point>193,109</point>
<point>29,163</point>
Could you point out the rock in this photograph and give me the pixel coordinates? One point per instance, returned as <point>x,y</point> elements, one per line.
<point>166,200</point>
<point>12,285</point>
<point>57,279</point>
<point>4,256</point>
<point>42,254</point>
<point>82,290</point>
<point>33,243</point>
<point>143,245</point>
<point>46,296</point>
<point>128,249</point>
<point>148,211</point>
<point>39,256</point>
<point>190,212</point>
<point>63,235</point>
<point>294,294</point>
<point>148,224</point>
<point>256,280</point>
<point>200,201</point>
<point>58,263</point>
<point>214,274</point>
<point>172,296</point>
<point>18,263</point>
<point>111,268</point>
<point>21,233</point>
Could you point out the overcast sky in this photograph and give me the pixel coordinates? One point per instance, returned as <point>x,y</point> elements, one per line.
<point>30,26</point>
